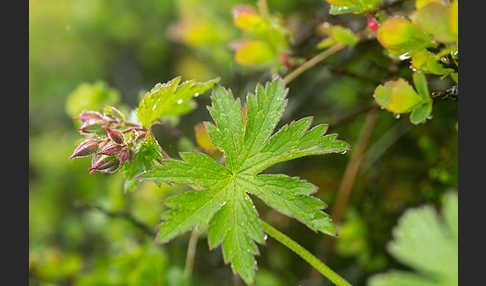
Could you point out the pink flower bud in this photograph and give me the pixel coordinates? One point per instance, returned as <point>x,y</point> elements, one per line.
<point>89,116</point>
<point>111,149</point>
<point>115,135</point>
<point>85,148</point>
<point>104,164</point>
<point>124,154</point>
<point>141,136</point>
<point>91,127</point>
<point>112,111</point>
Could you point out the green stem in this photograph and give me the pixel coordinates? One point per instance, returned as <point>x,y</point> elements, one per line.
<point>191,252</point>
<point>304,254</point>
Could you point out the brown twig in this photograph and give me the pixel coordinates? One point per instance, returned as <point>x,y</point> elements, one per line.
<point>363,35</point>
<point>313,61</point>
<point>348,178</point>
<point>353,166</point>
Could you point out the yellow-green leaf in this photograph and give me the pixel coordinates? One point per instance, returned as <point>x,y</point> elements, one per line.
<point>397,96</point>
<point>421,3</point>
<point>433,18</point>
<point>337,34</point>
<point>246,18</point>
<point>326,43</point>
<point>400,36</point>
<point>427,62</point>
<point>255,53</point>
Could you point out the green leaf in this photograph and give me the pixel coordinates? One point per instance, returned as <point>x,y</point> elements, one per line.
<point>398,96</point>
<point>170,99</point>
<point>352,6</point>
<point>402,37</point>
<point>337,34</point>
<point>248,145</point>
<point>433,18</point>
<point>427,62</point>
<point>420,83</point>
<point>426,243</point>
<point>420,114</point>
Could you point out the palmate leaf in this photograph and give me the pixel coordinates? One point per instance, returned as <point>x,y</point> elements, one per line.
<point>223,204</point>
<point>170,99</point>
<point>426,243</point>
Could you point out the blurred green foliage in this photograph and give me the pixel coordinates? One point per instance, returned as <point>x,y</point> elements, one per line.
<point>110,52</point>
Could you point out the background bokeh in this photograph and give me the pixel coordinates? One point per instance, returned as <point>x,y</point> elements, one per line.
<point>109,52</point>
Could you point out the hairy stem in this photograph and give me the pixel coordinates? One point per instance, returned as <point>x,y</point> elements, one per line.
<point>312,62</point>
<point>304,254</point>
<point>191,252</point>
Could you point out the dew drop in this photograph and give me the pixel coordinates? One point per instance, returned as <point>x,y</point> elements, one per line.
<point>444,60</point>
<point>265,237</point>
<point>179,101</point>
<point>196,94</point>
<point>429,117</point>
<point>404,56</point>
<point>222,204</point>
<point>381,107</point>
<point>397,116</point>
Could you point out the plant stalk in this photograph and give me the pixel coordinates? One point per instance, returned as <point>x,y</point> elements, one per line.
<point>191,252</point>
<point>313,61</point>
<point>304,254</point>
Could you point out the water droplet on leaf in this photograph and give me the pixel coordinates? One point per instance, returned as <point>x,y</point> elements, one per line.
<point>404,56</point>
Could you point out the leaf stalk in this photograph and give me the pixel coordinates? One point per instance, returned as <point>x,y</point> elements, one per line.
<point>304,254</point>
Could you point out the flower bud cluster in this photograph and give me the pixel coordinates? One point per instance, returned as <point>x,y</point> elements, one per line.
<point>110,144</point>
